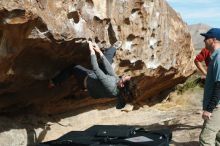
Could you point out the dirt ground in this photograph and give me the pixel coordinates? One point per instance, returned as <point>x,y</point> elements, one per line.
<point>179,112</point>
<point>186,122</point>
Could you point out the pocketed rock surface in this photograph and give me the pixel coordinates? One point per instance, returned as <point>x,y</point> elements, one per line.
<point>39,38</point>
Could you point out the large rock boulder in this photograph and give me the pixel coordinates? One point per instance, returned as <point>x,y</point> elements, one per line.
<point>38,38</point>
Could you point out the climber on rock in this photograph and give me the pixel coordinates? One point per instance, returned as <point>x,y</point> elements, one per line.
<point>101,81</point>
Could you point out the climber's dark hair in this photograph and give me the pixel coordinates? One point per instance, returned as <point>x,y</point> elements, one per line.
<point>128,90</point>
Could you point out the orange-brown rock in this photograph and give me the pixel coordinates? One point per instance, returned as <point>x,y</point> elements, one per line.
<point>38,38</point>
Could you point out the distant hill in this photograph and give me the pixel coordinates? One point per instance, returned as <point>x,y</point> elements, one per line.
<point>195,31</point>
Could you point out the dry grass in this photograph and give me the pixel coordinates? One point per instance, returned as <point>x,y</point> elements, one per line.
<point>187,95</point>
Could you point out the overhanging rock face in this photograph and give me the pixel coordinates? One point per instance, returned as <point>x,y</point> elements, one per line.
<point>38,38</point>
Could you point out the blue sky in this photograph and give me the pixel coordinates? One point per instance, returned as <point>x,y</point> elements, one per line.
<point>198,11</point>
